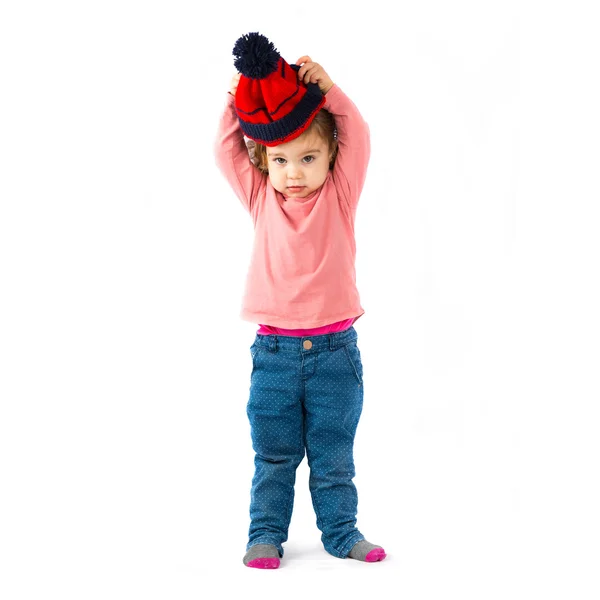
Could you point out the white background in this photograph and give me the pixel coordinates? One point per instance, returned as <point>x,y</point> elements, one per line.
<point>125,455</point>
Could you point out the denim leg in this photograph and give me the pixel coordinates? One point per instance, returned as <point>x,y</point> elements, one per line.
<point>333,401</point>
<point>275,413</point>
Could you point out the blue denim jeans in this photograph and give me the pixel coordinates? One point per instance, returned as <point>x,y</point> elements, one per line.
<point>306,395</point>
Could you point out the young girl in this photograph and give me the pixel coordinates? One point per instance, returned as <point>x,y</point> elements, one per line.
<point>311,151</point>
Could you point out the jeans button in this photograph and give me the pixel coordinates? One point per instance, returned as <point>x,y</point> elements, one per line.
<point>307,344</point>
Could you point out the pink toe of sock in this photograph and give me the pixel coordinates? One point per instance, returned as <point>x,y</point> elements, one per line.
<point>375,555</point>
<point>264,563</point>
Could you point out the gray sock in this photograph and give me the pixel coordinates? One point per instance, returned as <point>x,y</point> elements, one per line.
<point>262,556</point>
<point>367,552</point>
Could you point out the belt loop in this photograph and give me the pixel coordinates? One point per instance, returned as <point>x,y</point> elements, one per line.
<point>274,344</point>
<point>332,344</point>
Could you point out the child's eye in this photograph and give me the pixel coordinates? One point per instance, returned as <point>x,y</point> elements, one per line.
<point>278,158</point>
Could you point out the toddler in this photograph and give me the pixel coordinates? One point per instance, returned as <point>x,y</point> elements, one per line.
<point>311,149</point>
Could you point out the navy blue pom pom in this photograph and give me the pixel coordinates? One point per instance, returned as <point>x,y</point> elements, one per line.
<point>256,57</point>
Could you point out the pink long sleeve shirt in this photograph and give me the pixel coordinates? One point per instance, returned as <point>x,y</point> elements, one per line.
<point>302,278</point>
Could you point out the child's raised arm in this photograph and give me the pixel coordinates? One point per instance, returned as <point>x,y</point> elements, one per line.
<point>231,155</point>
<point>354,145</point>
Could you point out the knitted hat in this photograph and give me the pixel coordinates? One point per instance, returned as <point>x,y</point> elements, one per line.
<point>272,104</point>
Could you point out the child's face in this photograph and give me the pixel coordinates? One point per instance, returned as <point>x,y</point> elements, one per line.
<point>302,162</point>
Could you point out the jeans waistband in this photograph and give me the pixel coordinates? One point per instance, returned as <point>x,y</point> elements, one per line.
<point>306,344</point>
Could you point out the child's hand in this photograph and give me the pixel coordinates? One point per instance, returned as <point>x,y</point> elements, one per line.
<point>312,72</point>
<point>234,83</point>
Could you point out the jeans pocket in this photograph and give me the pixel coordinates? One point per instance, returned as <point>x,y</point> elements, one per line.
<point>353,354</point>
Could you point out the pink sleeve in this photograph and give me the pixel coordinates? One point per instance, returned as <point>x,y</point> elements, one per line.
<point>233,160</point>
<point>354,145</point>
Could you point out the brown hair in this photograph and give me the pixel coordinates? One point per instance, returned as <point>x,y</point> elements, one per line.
<point>323,125</point>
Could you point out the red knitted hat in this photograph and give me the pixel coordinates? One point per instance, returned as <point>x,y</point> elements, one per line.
<point>272,105</point>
